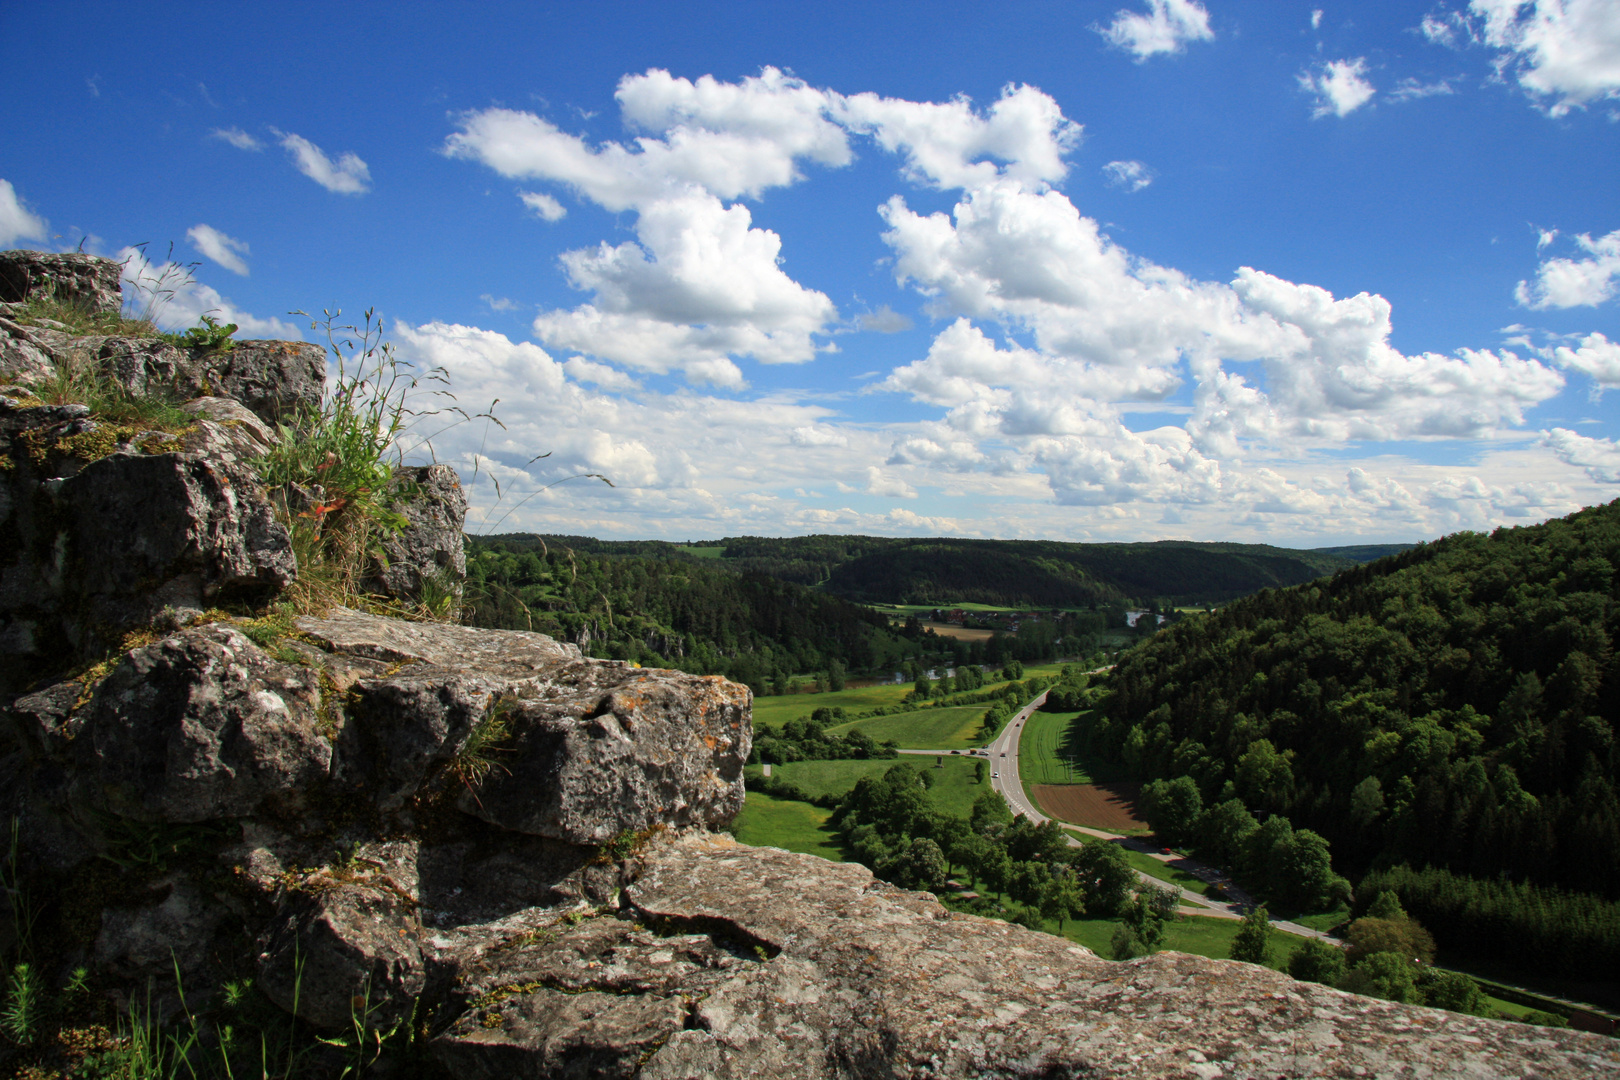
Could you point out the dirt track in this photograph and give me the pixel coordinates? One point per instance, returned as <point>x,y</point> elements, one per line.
<point>1096,806</point>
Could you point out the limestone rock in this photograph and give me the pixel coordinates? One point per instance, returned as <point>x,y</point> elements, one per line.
<point>273,379</point>
<point>593,749</point>
<point>240,431</point>
<point>510,654</point>
<point>152,939</point>
<point>87,280</point>
<point>598,998</point>
<point>103,526</point>
<point>831,973</point>
<point>199,726</point>
<point>22,360</point>
<point>428,555</point>
<point>347,952</point>
<point>611,749</point>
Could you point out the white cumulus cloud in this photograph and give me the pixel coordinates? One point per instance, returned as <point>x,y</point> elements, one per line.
<point>1166,28</point>
<point>952,144</point>
<point>1596,357</point>
<point>348,175</point>
<point>1564,53</point>
<point>16,222</point>
<point>700,285</point>
<point>1599,457</point>
<point>1339,86</point>
<point>227,251</point>
<point>1562,282</point>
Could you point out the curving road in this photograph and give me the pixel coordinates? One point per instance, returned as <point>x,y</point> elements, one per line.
<point>1003,751</point>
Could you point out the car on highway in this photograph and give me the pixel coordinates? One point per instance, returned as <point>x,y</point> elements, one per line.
<point>995,776</point>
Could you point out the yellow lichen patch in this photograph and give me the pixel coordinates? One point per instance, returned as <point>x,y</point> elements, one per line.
<point>98,442</point>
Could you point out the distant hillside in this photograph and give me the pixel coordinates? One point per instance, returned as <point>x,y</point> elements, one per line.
<point>1044,573</point>
<point>1364,553</point>
<point>1008,573</point>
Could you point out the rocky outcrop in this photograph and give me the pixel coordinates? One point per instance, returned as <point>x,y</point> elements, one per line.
<point>103,526</point>
<point>425,561</point>
<point>86,281</point>
<point>274,379</point>
<point>730,961</point>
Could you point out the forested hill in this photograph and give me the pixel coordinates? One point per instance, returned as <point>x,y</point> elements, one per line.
<point>664,610</point>
<point>1008,573</point>
<point>1451,706</point>
<point>1047,573</point>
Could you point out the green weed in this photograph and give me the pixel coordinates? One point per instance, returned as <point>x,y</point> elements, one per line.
<point>475,760</point>
<point>207,334</point>
<point>20,1016</point>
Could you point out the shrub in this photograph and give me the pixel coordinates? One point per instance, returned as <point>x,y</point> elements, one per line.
<point>1317,961</point>
<point>1387,975</point>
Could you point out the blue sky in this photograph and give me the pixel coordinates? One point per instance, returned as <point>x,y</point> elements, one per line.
<point>1305,274</point>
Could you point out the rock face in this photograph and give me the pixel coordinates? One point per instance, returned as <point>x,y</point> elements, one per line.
<point>425,559</point>
<point>103,526</point>
<point>272,378</point>
<point>85,280</point>
<point>324,780</point>
<point>729,961</point>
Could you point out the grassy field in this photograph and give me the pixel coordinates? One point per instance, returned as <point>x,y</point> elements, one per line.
<point>714,552</point>
<point>1199,935</point>
<point>954,728</point>
<point>777,711</point>
<point>1044,759</point>
<point>953,792</point>
<point>784,823</point>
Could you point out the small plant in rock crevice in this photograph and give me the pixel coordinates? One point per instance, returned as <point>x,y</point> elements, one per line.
<point>475,759</point>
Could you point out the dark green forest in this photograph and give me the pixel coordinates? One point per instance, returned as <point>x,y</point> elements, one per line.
<point>660,606</point>
<point>677,613</point>
<point>1003,573</point>
<point>1449,707</point>
<point>1035,573</point>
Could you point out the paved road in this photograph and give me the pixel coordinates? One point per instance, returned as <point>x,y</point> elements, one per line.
<point>1004,764</point>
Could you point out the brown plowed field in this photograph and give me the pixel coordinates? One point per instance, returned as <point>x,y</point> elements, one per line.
<point>960,633</point>
<point>1096,806</point>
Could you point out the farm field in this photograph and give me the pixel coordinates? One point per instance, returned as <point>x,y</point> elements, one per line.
<point>954,790</point>
<point>777,711</point>
<point>954,728</point>
<point>714,551</point>
<point>1110,806</point>
<point>785,823</point>
<point>960,633</point>
<point>1194,934</point>
<point>1042,757</point>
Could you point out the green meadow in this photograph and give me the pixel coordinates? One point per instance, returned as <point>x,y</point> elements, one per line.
<point>786,823</point>
<point>954,790</point>
<point>953,728</point>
